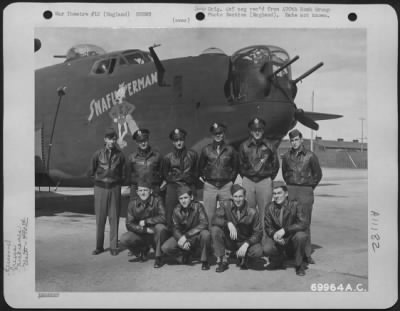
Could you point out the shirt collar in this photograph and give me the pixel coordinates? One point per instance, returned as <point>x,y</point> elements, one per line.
<point>189,208</point>
<point>215,144</point>
<point>179,152</point>
<point>148,202</point>
<point>144,152</point>
<point>301,150</point>
<point>252,141</point>
<point>283,205</point>
<point>242,208</point>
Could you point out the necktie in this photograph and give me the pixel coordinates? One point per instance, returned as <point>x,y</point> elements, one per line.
<point>238,213</point>
<point>281,216</point>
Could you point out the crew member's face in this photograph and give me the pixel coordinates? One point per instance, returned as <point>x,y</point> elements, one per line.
<point>238,198</point>
<point>257,133</point>
<point>179,144</point>
<point>143,145</point>
<point>110,142</point>
<point>279,195</point>
<point>219,137</point>
<point>143,193</point>
<point>185,200</point>
<point>296,142</point>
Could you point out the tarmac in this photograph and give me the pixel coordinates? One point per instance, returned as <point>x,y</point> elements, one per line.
<point>65,238</point>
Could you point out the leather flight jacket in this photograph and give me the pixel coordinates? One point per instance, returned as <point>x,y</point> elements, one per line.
<point>301,168</point>
<point>218,168</point>
<point>152,211</point>
<point>108,168</point>
<point>248,225</point>
<point>145,163</point>
<point>180,166</point>
<point>290,216</point>
<point>257,160</point>
<point>189,221</point>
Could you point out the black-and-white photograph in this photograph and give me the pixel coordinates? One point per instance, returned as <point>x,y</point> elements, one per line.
<point>228,155</point>
<point>231,146</point>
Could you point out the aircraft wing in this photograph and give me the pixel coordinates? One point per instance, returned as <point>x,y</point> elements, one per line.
<point>321,116</point>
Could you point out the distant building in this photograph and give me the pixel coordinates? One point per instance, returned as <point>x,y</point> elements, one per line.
<point>335,153</point>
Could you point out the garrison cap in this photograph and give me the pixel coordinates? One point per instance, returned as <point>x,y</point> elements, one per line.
<point>145,182</point>
<point>256,123</point>
<point>295,133</point>
<point>217,128</point>
<point>110,133</point>
<point>183,189</point>
<point>236,187</point>
<point>279,184</point>
<point>141,135</point>
<point>177,133</point>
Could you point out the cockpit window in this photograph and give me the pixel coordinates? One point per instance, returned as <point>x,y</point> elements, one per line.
<point>104,66</point>
<point>137,57</point>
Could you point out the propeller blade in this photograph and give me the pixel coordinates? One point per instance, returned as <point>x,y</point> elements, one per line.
<point>305,120</point>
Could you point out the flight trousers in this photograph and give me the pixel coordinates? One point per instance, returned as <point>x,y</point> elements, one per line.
<point>259,194</point>
<point>304,195</point>
<point>201,240</point>
<point>222,241</point>
<point>107,203</point>
<point>211,195</point>
<point>295,246</point>
<point>138,241</point>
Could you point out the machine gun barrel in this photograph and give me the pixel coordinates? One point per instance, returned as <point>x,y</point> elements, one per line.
<point>307,73</point>
<point>284,66</point>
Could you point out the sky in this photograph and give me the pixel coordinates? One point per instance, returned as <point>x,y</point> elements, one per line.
<point>340,86</point>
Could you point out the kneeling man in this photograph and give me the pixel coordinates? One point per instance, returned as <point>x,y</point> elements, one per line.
<point>145,222</point>
<point>237,227</point>
<point>285,226</point>
<point>190,224</point>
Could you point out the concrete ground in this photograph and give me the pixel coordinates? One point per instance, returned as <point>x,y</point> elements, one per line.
<point>65,238</point>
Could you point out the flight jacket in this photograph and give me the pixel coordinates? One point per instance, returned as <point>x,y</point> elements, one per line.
<point>151,211</point>
<point>257,160</point>
<point>142,163</point>
<point>248,226</point>
<point>180,166</point>
<point>218,169</point>
<point>191,224</point>
<point>293,219</point>
<point>108,171</point>
<point>301,168</point>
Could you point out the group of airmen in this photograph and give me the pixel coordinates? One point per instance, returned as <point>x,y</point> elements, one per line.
<point>257,218</point>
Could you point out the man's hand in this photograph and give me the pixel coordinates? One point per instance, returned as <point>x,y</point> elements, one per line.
<point>142,223</point>
<point>280,242</point>
<point>241,252</point>
<point>149,230</point>
<point>232,231</point>
<point>182,241</point>
<point>186,246</point>
<point>279,234</point>
<point>201,179</point>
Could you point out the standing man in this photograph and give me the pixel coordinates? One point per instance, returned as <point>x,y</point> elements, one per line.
<point>236,226</point>
<point>259,165</point>
<point>302,173</point>
<point>145,222</point>
<point>285,225</point>
<point>190,230</point>
<point>178,168</point>
<point>218,168</point>
<point>144,162</point>
<point>107,169</point>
